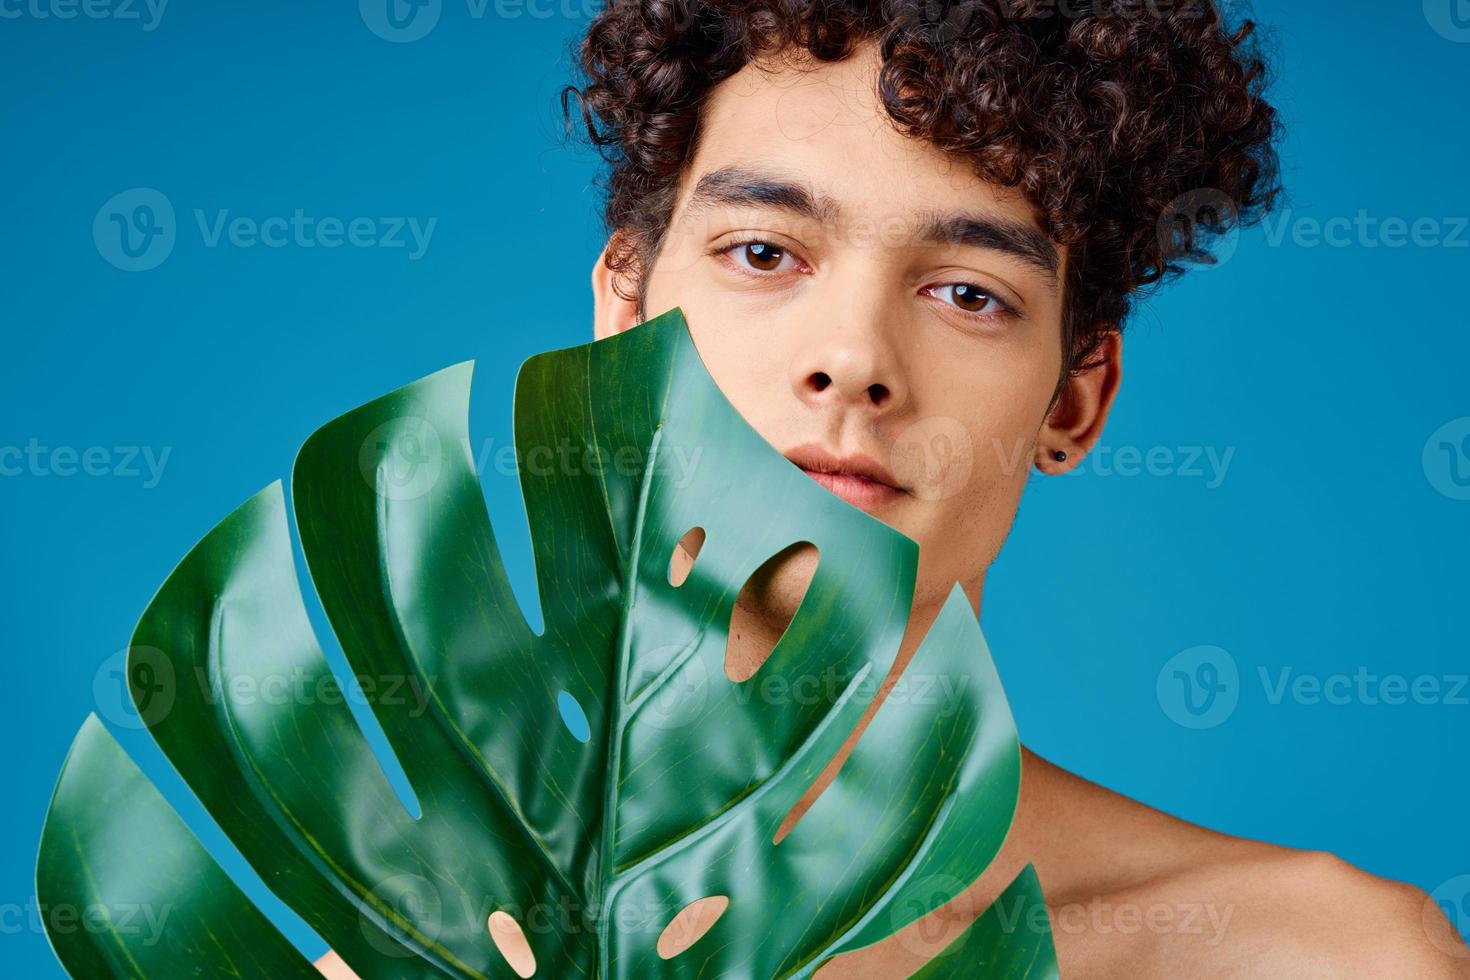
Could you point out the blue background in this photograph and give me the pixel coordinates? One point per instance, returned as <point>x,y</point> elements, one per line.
<point>1331,543</point>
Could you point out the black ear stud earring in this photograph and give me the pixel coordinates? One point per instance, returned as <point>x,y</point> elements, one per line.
<point>1060,456</point>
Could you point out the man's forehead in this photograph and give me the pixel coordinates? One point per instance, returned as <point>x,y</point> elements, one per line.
<point>798,99</point>
<point>824,126</point>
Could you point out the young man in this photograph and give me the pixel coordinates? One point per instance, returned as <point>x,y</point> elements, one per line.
<point>904,237</point>
<point>899,227</point>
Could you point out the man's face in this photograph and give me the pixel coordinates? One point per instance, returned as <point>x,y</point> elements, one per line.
<point>862,291</point>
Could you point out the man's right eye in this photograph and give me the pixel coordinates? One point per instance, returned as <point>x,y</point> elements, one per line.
<point>757,256</point>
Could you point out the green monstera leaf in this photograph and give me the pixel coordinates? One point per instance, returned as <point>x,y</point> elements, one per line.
<point>588,781</point>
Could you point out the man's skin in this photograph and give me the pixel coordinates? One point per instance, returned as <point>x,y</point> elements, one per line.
<point>843,329</point>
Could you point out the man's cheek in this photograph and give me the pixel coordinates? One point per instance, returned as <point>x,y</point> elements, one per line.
<point>935,458</point>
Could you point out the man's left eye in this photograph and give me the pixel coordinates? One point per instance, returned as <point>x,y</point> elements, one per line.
<point>968,297</point>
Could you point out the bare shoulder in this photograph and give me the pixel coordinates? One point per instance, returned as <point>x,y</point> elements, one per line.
<point>1280,912</point>
<point>1164,897</point>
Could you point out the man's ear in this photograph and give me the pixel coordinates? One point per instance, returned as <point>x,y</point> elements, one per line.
<point>612,312</point>
<point>1076,420</point>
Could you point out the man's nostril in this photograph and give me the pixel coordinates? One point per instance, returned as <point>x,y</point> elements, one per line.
<point>821,380</point>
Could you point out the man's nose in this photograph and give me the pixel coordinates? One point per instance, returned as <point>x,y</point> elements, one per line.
<point>851,364</point>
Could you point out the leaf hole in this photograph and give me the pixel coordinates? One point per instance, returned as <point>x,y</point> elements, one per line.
<point>689,924</point>
<point>765,607</point>
<point>506,933</point>
<point>682,560</point>
<point>573,716</point>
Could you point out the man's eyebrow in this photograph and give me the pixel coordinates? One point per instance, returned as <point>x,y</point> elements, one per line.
<point>1024,242</point>
<point>737,186</point>
<point>750,187</point>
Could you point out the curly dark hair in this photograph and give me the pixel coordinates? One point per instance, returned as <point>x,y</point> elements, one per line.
<point>1138,129</point>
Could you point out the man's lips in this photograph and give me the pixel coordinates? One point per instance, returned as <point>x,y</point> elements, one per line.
<point>856,490</point>
<point>857,478</point>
